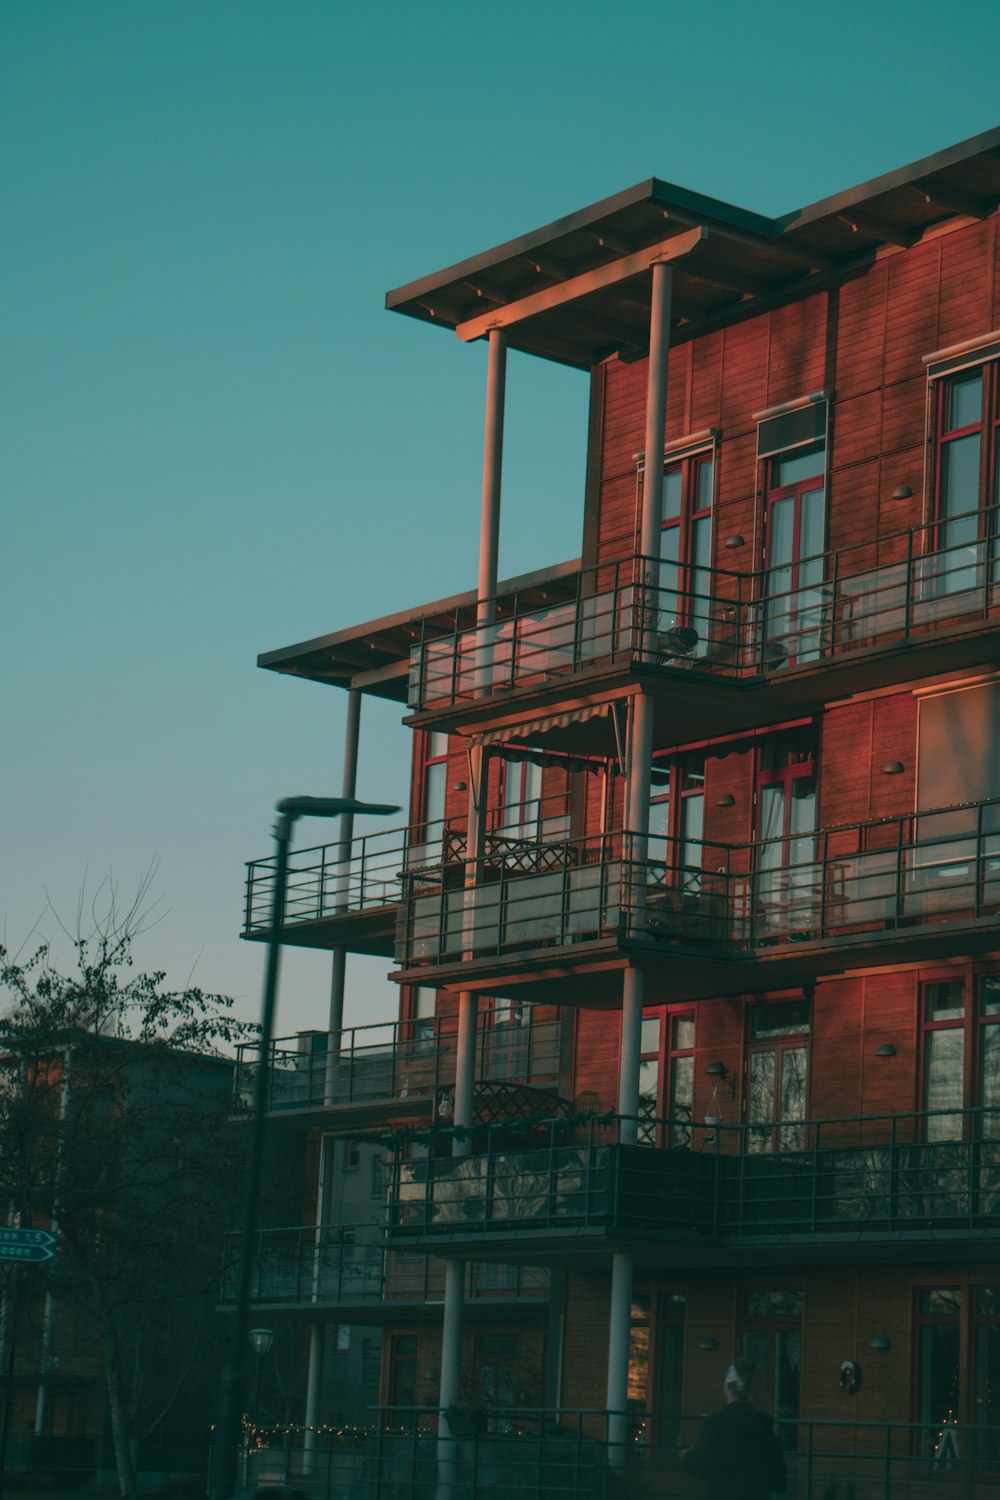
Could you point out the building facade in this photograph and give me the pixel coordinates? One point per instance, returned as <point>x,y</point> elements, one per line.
<point>694,919</point>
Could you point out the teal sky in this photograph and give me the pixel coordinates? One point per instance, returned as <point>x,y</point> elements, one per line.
<point>216,442</point>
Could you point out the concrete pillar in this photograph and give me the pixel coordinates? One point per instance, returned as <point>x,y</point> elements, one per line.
<point>465,1061</point>
<point>314,1392</point>
<point>640,750</point>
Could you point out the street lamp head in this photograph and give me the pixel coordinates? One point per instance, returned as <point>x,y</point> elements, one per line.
<point>330,807</point>
<point>261,1340</point>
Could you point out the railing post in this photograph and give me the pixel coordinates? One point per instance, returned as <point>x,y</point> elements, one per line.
<point>908,601</point>
<point>980,862</point>
<point>835,581</point>
<point>893,1172</point>
<point>900,879</point>
<point>514,624</point>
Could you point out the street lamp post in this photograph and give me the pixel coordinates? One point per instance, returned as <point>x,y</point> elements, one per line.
<point>231,1393</point>
<point>261,1340</point>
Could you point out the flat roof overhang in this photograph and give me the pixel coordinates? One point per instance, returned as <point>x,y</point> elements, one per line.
<point>578,290</point>
<point>375,657</point>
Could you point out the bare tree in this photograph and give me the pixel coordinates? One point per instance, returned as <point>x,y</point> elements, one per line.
<point>115,1130</point>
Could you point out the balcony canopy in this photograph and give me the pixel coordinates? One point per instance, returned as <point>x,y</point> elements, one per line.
<point>577,291</point>
<point>375,657</point>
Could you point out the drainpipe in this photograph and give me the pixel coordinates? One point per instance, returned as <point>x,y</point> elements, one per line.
<point>465,1060</point>
<point>335,1025</point>
<point>352,734</point>
<point>636,820</point>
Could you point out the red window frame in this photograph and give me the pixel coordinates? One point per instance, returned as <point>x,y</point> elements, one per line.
<point>679,790</point>
<point>689,514</point>
<point>789,770</point>
<point>947,435</point>
<point>428,763</point>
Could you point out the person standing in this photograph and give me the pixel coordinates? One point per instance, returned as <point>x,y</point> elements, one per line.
<point>738,1452</point>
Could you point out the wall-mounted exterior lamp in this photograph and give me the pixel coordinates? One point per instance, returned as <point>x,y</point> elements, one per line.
<point>446,1105</point>
<point>901,492</point>
<point>726,800</point>
<point>893,768</point>
<point>735,541</point>
<point>708,1344</point>
<point>886,1049</point>
<point>879,1341</point>
<point>718,1073</point>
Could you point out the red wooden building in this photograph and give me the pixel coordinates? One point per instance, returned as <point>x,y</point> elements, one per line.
<point>695,917</point>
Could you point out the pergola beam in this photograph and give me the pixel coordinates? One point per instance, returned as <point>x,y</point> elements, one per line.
<point>953,199</point>
<point>877,229</point>
<point>581,286</point>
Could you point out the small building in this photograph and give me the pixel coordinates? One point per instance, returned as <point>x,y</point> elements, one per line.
<point>694,916</point>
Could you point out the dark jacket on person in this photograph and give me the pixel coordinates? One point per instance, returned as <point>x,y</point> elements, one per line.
<point>739,1454</point>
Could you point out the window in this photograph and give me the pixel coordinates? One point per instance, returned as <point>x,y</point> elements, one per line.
<point>986,1354</point>
<point>965,404</point>
<point>656,1367</point>
<point>521,799</point>
<point>676,819</point>
<point>771,1336</point>
<point>497,1368</point>
<point>792,447</point>
<point>779,1037</point>
<point>949,1389</point>
<point>402,1380</point>
<point>961,1058</point>
<point>433,783</point>
<point>787,880</point>
<point>667,1059</point>
<point>424,1008</point>
<point>939,1314</point>
<point>686,551</point>
<point>505,1042</point>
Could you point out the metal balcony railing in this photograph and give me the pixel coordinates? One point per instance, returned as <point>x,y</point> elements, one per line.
<point>360,1065</point>
<point>579,1454</point>
<point>331,880</point>
<point>930,1172</point>
<point>397,1060</point>
<point>855,599</point>
<point>849,880</point>
<point>351,1266</point>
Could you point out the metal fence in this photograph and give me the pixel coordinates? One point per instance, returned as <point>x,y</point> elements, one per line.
<point>535,1454</point>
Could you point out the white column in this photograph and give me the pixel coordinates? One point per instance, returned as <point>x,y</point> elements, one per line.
<point>489,523</point>
<point>636,820</point>
<point>314,1391</point>
<point>465,1061</point>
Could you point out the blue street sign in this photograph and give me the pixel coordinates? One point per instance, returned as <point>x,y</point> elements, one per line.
<point>27,1244</point>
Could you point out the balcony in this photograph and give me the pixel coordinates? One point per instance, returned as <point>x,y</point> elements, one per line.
<point>350,1267</point>
<point>397,1070</point>
<point>834,1187</point>
<point>346,894</point>
<point>883,890</point>
<point>854,616</point>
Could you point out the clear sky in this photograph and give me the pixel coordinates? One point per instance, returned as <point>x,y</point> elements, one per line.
<point>215,441</point>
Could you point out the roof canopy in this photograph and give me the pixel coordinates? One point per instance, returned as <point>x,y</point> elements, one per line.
<point>375,657</point>
<point>577,291</point>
